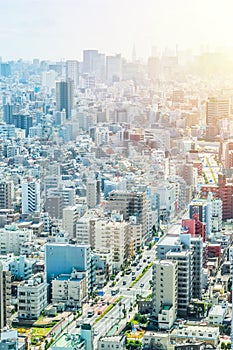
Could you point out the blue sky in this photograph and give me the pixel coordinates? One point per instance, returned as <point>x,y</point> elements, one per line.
<point>55,29</point>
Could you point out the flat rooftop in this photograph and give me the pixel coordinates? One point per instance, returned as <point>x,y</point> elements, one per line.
<point>68,341</point>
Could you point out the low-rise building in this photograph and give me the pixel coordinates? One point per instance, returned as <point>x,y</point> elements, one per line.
<point>200,333</point>
<point>32,297</point>
<point>217,314</point>
<point>70,289</point>
<point>114,342</point>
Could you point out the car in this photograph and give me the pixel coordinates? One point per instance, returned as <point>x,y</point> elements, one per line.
<point>133,278</point>
<point>144,260</point>
<point>133,273</point>
<point>124,282</point>
<point>141,285</point>
<point>96,332</point>
<point>138,268</point>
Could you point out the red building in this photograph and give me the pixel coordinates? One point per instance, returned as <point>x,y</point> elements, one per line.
<point>224,191</point>
<point>195,227</point>
<point>214,251</point>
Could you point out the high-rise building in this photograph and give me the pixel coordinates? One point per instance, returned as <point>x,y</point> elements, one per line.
<point>63,258</point>
<point>216,109</point>
<point>130,203</point>
<point>89,57</point>
<point>12,238</point>
<point>30,196</point>
<point>5,297</point>
<point>72,71</point>
<point>113,68</point>
<point>8,113</point>
<point>184,279</point>
<point>5,69</point>
<point>64,96</point>
<point>222,190</point>
<point>6,194</point>
<point>93,192</point>
<point>22,121</point>
<point>228,154</point>
<point>69,219</point>
<point>164,291</point>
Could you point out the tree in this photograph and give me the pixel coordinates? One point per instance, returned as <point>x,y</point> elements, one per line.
<point>222,345</point>
<point>124,312</point>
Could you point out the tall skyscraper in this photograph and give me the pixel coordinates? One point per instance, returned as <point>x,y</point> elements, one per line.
<point>64,96</point>
<point>89,57</point>
<point>113,68</point>
<point>72,71</point>
<point>7,113</point>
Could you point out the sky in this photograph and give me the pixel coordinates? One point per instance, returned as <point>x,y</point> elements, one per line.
<point>62,29</point>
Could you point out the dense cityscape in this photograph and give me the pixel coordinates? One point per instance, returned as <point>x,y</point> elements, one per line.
<point>116,200</point>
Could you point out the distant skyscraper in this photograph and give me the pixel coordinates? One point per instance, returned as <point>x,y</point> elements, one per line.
<point>23,121</point>
<point>5,69</point>
<point>72,71</point>
<point>7,113</point>
<point>113,68</point>
<point>64,96</point>
<point>89,57</point>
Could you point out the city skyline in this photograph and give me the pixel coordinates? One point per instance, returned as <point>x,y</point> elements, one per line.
<point>62,29</point>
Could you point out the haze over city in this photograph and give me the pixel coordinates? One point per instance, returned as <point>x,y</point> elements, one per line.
<point>116,175</point>
<point>62,29</point>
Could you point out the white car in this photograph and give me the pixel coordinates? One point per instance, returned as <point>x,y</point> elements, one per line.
<point>96,332</point>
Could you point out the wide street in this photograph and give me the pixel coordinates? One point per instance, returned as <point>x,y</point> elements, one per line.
<point>115,316</point>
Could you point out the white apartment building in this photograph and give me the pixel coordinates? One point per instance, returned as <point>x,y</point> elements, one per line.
<point>164,291</point>
<point>69,218</point>
<point>184,277</point>
<point>83,230</point>
<point>115,235</point>
<point>101,136</point>
<point>70,289</point>
<point>216,215</point>
<point>32,297</point>
<point>114,342</point>
<point>135,234</point>
<point>12,239</point>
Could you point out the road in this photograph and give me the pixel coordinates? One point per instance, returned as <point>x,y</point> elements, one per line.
<point>128,295</point>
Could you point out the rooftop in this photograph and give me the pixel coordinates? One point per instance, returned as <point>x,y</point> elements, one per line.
<point>68,341</point>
